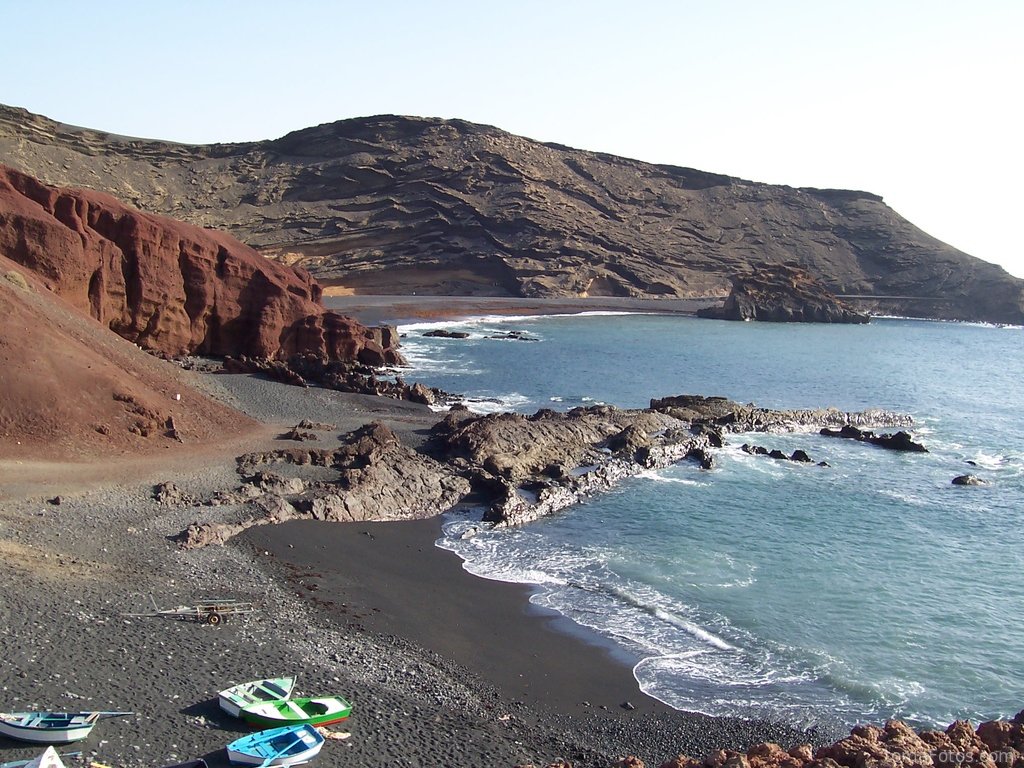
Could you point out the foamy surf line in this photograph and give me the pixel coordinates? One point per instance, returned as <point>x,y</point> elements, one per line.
<point>492,319</point>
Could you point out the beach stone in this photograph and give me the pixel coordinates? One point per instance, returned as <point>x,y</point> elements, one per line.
<point>682,761</point>
<point>802,752</point>
<point>171,495</point>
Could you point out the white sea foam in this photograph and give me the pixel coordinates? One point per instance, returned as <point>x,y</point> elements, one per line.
<point>501,404</point>
<point>906,498</point>
<point>660,477</point>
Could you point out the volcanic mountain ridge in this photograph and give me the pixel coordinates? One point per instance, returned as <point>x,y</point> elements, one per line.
<point>393,204</point>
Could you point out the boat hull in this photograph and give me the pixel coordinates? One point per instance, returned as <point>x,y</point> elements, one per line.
<point>35,733</point>
<point>308,711</point>
<point>271,747</point>
<point>49,759</point>
<point>232,700</point>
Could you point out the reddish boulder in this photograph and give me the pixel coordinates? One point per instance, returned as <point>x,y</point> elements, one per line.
<point>173,288</point>
<point>682,761</point>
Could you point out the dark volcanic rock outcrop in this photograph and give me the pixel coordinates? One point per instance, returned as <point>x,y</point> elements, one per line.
<point>378,478</point>
<point>521,466</point>
<point>782,293</point>
<point>398,204</point>
<point>899,441</point>
<point>342,376</point>
<point>169,287</point>
<point>969,480</point>
<point>725,415</point>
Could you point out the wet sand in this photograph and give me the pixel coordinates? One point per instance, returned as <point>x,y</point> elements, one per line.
<point>391,579</point>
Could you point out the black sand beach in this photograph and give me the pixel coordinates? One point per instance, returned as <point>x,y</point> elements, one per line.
<point>391,579</point>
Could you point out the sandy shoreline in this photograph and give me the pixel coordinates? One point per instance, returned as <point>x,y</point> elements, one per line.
<point>391,579</point>
<point>397,310</point>
<point>449,670</point>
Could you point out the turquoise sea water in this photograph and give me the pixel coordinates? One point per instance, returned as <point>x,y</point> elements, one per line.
<point>866,590</point>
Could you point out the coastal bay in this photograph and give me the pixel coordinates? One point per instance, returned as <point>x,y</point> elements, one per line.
<point>74,571</point>
<point>109,546</point>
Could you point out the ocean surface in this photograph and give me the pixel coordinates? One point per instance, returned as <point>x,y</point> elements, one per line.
<point>854,593</point>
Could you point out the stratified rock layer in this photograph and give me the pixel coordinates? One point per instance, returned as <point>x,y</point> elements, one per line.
<point>782,293</point>
<point>169,287</point>
<point>400,204</point>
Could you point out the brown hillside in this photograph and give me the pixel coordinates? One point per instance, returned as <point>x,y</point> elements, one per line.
<point>70,390</point>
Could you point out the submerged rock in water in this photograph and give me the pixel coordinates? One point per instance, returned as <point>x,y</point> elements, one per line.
<point>969,480</point>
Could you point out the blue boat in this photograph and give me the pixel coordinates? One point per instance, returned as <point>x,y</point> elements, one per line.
<point>290,745</point>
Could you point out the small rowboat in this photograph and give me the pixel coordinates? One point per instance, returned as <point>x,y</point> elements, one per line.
<point>49,759</point>
<point>322,710</point>
<point>47,727</point>
<point>290,745</point>
<point>233,699</point>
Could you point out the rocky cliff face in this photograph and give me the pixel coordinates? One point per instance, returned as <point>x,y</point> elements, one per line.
<point>70,390</point>
<point>396,204</point>
<point>169,287</point>
<point>782,293</point>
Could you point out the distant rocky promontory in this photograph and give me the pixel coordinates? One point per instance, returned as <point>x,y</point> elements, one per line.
<point>782,293</point>
<point>396,205</point>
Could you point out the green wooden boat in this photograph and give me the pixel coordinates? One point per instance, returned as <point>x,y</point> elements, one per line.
<point>319,710</point>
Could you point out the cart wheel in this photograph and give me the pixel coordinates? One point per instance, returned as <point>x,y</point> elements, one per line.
<point>214,619</point>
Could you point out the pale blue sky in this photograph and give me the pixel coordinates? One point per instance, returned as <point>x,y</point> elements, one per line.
<point>920,102</point>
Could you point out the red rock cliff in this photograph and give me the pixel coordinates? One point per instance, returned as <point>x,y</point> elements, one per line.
<point>173,288</point>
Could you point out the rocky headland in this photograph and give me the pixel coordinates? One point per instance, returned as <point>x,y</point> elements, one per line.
<point>397,205</point>
<point>782,293</point>
<point>518,467</point>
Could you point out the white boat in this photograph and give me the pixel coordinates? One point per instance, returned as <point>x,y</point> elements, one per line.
<point>47,727</point>
<point>233,699</point>
<point>290,745</point>
<point>49,759</point>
